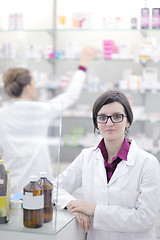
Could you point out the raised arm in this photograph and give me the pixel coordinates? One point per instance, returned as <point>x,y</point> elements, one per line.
<point>75,87</point>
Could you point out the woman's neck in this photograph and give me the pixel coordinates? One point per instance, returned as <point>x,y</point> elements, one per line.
<point>24,97</point>
<point>113,147</point>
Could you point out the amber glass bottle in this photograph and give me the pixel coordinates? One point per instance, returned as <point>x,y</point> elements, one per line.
<point>48,203</point>
<point>3,192</point>
<point>33,203</point>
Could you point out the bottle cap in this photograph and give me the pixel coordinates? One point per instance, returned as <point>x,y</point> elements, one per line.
<point>33,178</point>
<point>43,174</point>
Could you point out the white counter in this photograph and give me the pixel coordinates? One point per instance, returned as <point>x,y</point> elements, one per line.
<point>66,227</point>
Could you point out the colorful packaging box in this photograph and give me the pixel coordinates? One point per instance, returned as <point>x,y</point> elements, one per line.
<point>144,18</point>
<point>155,18</point>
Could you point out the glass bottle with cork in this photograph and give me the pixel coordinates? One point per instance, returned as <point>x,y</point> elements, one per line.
<point>48,202</point>
<point>33,203</point>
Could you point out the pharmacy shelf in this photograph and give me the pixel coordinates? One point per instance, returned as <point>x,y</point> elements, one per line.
<point>26,30</point>
<point>36,60</point>
<point>106,29</point>
<point>117,59</point>
<point>79,29</point>
<point>52,60</point>
<point>63,58</point>
<point>75,113</point>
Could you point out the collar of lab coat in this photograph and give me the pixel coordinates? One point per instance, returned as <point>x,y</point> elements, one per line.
<point>122,167</point>
<point>133,151</point>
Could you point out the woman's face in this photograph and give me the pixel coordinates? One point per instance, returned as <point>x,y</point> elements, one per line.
<point>112,131</point>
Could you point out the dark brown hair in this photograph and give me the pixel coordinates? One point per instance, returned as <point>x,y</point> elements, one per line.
<point>15,79</point>
<point>110,97</point>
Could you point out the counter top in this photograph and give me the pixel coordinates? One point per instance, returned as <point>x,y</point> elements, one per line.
<point>60,220</point>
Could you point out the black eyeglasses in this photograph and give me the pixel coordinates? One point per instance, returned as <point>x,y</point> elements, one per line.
<point>116,118</point>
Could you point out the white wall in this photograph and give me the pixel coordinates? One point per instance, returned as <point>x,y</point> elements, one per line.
<point>38,14</point>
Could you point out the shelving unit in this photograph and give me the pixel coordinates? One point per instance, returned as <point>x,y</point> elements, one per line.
<point>30,42</point>
<point>146,110</point>
<point>110,74</point>
<point>103,69</point>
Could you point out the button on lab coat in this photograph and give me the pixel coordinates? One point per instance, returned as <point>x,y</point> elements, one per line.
<point>127,206</point>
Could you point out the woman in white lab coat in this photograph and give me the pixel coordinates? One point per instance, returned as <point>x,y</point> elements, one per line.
<point>24,124</point>
<point>120,181</point>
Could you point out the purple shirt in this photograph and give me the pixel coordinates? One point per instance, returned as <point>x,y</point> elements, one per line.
<point>122,155</point>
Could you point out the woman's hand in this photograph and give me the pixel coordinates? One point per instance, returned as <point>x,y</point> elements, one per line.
<point>81,206</point>
<point>83,220</point>
<point>87,54</point>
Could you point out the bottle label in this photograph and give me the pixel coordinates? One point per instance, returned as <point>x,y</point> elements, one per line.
<point>33,202</point>
<point>3,206</point>
<point>1,181</point>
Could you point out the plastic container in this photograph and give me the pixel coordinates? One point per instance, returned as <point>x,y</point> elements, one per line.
<point>16,207</point>
<point>33,203</point>
<point>48,203</point>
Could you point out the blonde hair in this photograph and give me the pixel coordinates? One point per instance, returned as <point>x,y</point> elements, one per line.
<point>15,79</point>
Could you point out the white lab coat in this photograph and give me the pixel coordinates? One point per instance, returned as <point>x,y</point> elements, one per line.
<point>126,207</point>
<point>24,130</point>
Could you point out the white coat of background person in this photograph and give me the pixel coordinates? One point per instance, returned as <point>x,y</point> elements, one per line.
<point>24,124</point>
<point>118,206</point>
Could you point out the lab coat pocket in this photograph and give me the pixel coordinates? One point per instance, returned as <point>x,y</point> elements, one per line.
<point>128,199</point>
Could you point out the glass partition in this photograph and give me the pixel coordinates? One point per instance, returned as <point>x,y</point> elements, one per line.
<point>30,144</point>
